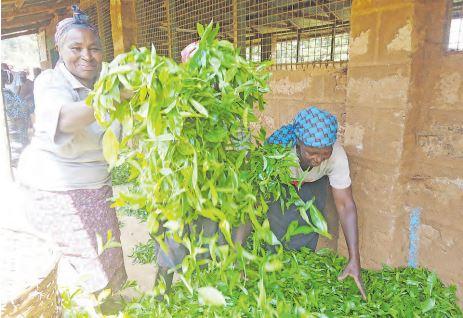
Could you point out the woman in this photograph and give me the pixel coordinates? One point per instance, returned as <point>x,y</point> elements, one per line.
<point>63,170</point>
<point>313,136</point>
<point>18,115</point>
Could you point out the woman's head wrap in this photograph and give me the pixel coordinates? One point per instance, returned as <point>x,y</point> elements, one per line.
<point>189,51</point>
<point>78,20</point>
<point>312,127</point>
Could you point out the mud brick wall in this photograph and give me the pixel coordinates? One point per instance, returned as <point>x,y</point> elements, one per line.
<point>432,173</point>
<point>399,103</point>
<point>292,91</point>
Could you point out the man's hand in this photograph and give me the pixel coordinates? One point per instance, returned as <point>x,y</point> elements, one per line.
<point>353,270</point>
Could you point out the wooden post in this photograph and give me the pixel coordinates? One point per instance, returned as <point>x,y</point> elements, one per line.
<point>239,26</point>
<point>123,24</point>
<point>333,41</point>
<point>100,19</point>
<point>235,22</point>
<point>6,175</point>
<point>266,47</point>
<point>169,28</point>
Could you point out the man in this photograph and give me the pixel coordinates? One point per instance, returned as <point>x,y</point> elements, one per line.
<point>321,157</point>
<point>26,89</point>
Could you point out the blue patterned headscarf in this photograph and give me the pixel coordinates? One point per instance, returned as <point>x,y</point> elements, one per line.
<point>312,126</point>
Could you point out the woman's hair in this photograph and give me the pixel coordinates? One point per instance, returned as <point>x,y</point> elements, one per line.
<point>79,20</point>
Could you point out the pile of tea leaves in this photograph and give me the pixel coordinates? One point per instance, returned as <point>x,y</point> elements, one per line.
<point>305,284</point>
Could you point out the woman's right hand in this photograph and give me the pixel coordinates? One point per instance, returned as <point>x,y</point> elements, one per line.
<point>126,94</point>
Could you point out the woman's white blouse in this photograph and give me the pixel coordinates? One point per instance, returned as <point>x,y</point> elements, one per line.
<point>57,161</point>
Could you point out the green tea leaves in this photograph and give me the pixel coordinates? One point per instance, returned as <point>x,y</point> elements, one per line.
<point>211,296</point>
<point>199,108</point>
<point>110,147</point>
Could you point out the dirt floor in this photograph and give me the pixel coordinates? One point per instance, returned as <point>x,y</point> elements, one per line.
<point>133,232</point>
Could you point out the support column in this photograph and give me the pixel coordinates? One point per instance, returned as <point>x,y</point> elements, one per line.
<point>266,47</point>
<point>384,38</point>
<point>123,25</point>
<point>6,177</point>
<point>170,31</point>
<point>239,26</point>
<point>403,135</point>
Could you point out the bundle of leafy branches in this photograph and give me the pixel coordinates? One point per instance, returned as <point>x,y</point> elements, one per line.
<point>304,284</point>
<point>188,142</point>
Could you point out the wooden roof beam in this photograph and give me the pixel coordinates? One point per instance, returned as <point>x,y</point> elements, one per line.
<point>290,24</point>
<point>328,28</point>
<point>31,11</point>
<point>333,16</point>
<point>31,26</point>
<point>13,35</point>
<point>19,4</point>
<point>9,2</point>
<point>26,20</point>
<point>274,11</point>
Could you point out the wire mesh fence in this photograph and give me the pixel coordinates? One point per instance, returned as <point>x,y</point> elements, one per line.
<point>92,14</point>
<point>294,33</point>
<point>99,15</point>
<point>184,15</point>
<point>289,32</point>
<point>104,27</point>
<point>455,34</point>
<point>152,26</point>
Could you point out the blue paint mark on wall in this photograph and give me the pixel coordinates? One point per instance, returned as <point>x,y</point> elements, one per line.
<point>414,237</point>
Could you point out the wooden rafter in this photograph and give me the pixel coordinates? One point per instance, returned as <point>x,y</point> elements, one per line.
<point>20,16</point>
<point>26,20</point>
<point>13,35</point>
<point>22,28</point>
<point>333,16</point>
<point>19,4</point>
<point>290,24</point>
<point>10,15</point>
<point>9,2</point>
<point>289,12</point>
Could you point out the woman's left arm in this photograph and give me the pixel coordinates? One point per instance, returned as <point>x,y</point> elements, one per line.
<point>347,211</point>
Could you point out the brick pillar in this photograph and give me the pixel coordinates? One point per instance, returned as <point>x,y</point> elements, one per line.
<point>403,134</point>
<point>378,102</point>
<point>432,165</point>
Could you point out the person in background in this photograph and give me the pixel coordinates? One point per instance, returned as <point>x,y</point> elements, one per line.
<point>312,134</point>
<point>168,260</point>
<point>63,171</point>
<point>18,118</point>
<point>8,73</point>
<point>26,89</point>
<point>16,82</point>
<point>189,51</point>
<point>26,93</point>
<point>36,71</point>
